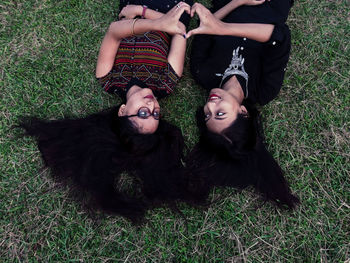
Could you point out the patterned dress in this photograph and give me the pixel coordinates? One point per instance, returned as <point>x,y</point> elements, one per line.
<point>144,58</point>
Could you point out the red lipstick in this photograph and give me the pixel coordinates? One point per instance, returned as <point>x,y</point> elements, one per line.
<point>213,97</point>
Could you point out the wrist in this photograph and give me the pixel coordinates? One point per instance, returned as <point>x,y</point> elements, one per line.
<point>139,10</point>
<point>224,28</point>
<point>157,24</point>
<point>237,3</point>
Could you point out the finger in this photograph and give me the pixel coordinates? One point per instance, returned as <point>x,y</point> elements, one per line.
<point>258,2</point>
<point>179,7</point>
<point>194,8</point>
<point>193,32</point>
<point>187,8</point>
<point>183,3</point>
<point>182,9</point>
<point>201,14</point>
<point>201,9</point>
<point>197,5</point>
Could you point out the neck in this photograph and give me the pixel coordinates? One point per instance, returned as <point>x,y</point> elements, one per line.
<point>233,87</point>
<point>132,90</point>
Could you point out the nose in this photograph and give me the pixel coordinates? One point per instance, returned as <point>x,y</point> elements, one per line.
<point>151,104</point>
<point>212,104</point>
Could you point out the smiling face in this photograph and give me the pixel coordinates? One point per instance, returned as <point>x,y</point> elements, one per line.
<point>135,99</point>
<point>221,110</point>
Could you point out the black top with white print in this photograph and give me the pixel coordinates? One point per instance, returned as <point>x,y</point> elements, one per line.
<point>259,67</point>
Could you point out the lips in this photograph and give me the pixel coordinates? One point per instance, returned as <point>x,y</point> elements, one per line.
<point>213,97</point>
<point>149,97</point>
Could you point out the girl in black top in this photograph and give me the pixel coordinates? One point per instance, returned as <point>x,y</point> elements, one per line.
<point>239,56</point>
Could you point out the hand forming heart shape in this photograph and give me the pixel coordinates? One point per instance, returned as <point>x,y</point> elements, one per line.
<point>209,23</point>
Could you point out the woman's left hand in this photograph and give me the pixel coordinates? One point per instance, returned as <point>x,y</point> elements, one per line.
<point>170,21</point>
<point>130,12</point>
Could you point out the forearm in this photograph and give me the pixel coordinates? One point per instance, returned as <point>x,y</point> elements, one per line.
<point>224,11</point>
<point>176,56</point>
<point>125,28</point>
<point>257,32</point>
<point>152,14</point>
<point>149,13</point>
<point>111,41</point>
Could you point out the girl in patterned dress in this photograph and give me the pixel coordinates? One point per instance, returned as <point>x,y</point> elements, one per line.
<point>142,57</point>
<point>125,160</point>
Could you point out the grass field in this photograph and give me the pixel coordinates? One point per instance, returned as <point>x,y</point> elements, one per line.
<point>48,51</point>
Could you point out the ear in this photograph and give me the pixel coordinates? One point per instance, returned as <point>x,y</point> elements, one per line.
<point>244,110</point>
<point>121,111</point>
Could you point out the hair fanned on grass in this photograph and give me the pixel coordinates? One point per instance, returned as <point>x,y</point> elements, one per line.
<point>92,152</point>
<point>238,158</point>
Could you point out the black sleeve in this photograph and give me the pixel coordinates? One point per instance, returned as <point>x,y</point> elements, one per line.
<point>201,47</point>
<point>274,62</point>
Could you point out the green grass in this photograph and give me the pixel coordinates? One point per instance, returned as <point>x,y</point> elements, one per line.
<point>47,58</point>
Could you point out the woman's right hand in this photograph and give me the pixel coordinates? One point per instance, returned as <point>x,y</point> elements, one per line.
<point>170,23</point>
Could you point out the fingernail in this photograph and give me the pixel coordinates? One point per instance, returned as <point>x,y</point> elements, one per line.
<point>184,35</point>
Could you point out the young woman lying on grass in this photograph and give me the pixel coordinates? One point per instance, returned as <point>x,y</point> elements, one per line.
<point>240,58</point>
<point>138,60</point>
<point>142,59</point>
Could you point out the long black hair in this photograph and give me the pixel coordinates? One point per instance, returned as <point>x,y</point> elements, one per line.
<point>237,157</point>
<point>93,153</point>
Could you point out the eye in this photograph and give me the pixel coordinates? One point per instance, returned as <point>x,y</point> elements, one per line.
<point>143,113</point>
<point>220,114</point>
<point>206,115</point>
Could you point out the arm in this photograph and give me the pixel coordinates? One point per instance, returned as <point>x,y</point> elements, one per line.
<point>111,41</point>
<point>257,32</point>
<point>232,5</point>
<point>176,56</point>
<point>118,30</point>
<point>132,11</point>
<point>211,25</point>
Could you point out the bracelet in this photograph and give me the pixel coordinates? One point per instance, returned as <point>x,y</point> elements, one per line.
<point>144,11</point>
<point>133,26</point>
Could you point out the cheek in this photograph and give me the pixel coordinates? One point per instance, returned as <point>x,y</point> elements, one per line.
<point>230,106</point>
<point>132,105</point>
